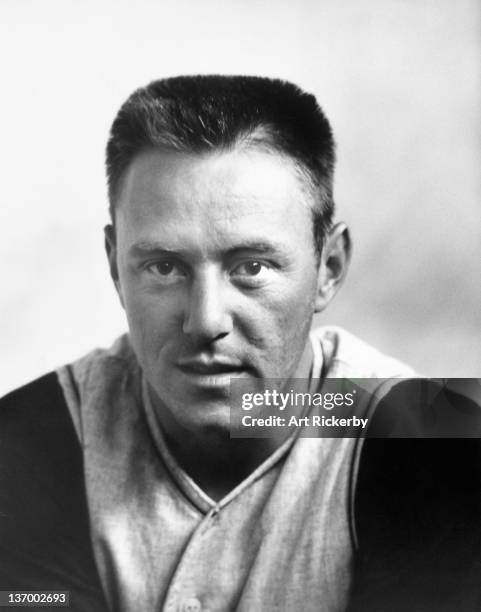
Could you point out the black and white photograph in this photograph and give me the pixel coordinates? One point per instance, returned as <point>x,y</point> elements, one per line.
<point>240,317</point>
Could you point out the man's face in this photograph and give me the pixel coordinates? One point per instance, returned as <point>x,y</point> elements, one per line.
<point>217,273</point>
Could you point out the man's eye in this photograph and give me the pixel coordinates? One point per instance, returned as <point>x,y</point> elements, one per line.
<point>166,269</point>
<point>252,273</point>
<point>249,268</point>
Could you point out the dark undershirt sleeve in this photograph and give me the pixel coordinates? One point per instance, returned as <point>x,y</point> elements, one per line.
<point>44,527</point>
<point>418,515</point>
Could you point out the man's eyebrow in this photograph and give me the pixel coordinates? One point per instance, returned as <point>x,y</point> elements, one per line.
<point>148,248</point>
<point>258,246</point>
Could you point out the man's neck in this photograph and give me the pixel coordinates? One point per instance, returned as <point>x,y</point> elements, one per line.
<point>218,464</point>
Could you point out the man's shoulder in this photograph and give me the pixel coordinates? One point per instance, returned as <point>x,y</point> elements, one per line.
<point>49,398</point>
<point>103,363</point>
<point>49,388</point>
<point>100,378</point>
<point>345,355</point>
<point>35,406</point>
<point>36,429</point>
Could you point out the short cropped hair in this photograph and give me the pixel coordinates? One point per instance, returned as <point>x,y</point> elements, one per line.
<point>197,114</point>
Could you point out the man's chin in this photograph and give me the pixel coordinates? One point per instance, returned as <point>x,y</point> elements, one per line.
<point>197,411</point>
<point>208,417</point>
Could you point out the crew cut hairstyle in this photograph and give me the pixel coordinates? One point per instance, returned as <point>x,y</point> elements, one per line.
<point>196,114</point>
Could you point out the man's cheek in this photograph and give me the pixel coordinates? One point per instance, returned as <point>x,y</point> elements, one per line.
<point>280,329</point>
<point>293,323</point>
<point>291,311</point>
<point>149,329</point>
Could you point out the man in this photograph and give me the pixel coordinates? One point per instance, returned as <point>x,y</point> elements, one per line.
<point>128,489</point>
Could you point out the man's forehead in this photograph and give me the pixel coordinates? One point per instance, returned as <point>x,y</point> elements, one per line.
<point>242,177</point>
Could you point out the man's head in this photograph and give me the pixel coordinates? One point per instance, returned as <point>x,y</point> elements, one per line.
<point>215,186</point>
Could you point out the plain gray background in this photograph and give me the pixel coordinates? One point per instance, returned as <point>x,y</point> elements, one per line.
<point>400,82</point>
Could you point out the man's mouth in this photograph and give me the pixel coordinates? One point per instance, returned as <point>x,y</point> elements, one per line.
<point>211,372</point>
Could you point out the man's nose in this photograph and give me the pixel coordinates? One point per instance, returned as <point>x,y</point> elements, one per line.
<point>207,315</point>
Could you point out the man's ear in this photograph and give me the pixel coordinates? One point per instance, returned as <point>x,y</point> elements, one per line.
<point>335,258</point>
<point>111,250</point>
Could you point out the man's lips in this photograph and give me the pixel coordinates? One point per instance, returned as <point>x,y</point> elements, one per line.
<point>208,373</point>
<point>212,367</point>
